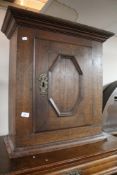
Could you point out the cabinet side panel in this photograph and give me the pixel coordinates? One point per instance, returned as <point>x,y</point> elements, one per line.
<point>12,83</point>
<point>97,81</point>
<point>24,82</point>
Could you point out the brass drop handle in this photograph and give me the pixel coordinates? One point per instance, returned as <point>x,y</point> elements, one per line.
<point>43,84</point>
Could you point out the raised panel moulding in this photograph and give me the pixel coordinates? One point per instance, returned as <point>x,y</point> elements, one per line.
<point>66,70</point>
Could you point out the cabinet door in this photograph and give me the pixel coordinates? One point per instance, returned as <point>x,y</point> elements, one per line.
<point>62,86</point>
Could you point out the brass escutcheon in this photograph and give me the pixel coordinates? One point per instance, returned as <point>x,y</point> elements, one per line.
<point>43,84</point>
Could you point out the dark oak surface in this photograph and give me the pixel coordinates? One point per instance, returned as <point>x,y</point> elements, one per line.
<point>49,23</point>
<point>63,133</point>
<point>57,162</point>
<point>70,56</point>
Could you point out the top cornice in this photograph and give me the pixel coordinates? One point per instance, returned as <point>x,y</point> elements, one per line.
<point>20,17</point>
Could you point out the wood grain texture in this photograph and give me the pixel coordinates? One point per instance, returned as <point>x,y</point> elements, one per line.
<point>63,75</point>
<point>10,0</point>
<point>69,114</point>
<point>96,158</point>
<point>18,16</point>
<point>34,54</point>
<point>48,50</point>
<point>12,85</point>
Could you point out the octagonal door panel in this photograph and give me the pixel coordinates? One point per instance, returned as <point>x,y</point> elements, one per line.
<point>60,91</point>
<point>63,75</point>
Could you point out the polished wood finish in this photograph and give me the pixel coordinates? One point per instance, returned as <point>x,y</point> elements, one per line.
<point>34,20</point>
<point>56,78</point>
<point>69,54</point>
<point>10,0</point>
<point>66,97</point>
<point>92,159</point>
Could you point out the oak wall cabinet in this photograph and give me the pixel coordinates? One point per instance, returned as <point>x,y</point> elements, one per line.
<point>55,91</point>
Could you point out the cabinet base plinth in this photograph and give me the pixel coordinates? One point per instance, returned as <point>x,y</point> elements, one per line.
<point>98,158</point>
<point>36,149</point>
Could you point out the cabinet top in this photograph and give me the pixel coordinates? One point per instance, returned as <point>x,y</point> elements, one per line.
<point>19,17</point>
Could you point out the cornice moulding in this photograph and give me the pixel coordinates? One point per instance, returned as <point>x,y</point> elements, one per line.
<point>20,17</point>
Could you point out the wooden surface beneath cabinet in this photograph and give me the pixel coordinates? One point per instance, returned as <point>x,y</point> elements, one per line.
<point>92,159</point>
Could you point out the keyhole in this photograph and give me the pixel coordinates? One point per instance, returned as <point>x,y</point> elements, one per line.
<point>43,84</point>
